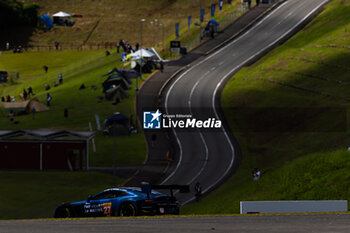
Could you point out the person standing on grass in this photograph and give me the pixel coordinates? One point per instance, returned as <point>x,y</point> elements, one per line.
<point>249,3</point>
<point>46,68</point>
<point>65,113</point>
<point>122,44</point>
<point>48,99</point>
<point>257,2</point>
<point>118,47</point>
<point>11,115</point>
<point>25,95</point>
<point>60,78</point>
<point>30,91</point>
<point>56,44</point>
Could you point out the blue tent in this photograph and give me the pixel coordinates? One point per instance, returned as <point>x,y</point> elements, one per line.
<point>117,118</point>
<point>213,21</point>
<point>47,20</point>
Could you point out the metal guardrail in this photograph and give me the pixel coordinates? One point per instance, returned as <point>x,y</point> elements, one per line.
<point>269,207</point>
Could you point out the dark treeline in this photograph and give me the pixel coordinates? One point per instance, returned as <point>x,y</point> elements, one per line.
<point>17,14</point>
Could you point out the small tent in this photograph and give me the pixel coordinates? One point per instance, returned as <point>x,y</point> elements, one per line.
<point>117,125</point>
<point>128,73</point>
<point>116,93</point>
<point>47,21</point>
<point>25,106</point>
<point>115,80</point>
<point>143,52</point>
<point>213,21</point>
<point>39,107</point>
<point>62,18</point>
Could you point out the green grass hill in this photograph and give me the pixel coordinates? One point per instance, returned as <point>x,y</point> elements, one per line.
<point>289,113</point>
<point>105,22</point>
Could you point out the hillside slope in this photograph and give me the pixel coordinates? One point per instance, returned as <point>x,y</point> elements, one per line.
<point>289,113</point>
<point>105,22</point>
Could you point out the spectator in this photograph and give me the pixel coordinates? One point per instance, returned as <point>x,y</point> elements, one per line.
<point>7,46</point>
<point>55,84</point>
<point>137,46</point>
<point>161,66</point>
<point>46,68</point>
<point>256,174</point>
<point>82,87</point>
<point>107,53</point>
<point>2,99</point>
<point>47,87</point>
<point>123,57</point>
<point>65,113</point>
<point>48,99</point>
<point>19,49</point>
<point>25,94</point>
<point>30,91</point>
<point>198,190</point>
<point>8,98</point>
<point>56,44</point>
<point>60,78</point>
<point>212,31</point>
<point>118,47</point>
<point>249,3</point>
<point>129,48</point>
<point>11,115</point>
<point>257,2</point>
<point>122,44</point>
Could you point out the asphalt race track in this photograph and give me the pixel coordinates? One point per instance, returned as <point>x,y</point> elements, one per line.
<point>208,157</point>
<point>242,224</point>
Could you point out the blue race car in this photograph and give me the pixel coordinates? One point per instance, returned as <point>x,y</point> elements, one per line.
<point>128,201</point>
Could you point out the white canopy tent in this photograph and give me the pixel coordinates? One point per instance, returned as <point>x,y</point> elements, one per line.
<point>145,53</point>
<point>61,14</point>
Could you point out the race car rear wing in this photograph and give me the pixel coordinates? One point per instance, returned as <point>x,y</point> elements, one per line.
<point>147,188</point>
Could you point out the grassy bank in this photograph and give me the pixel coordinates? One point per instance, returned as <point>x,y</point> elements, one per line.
<point>36,194</point>
<point>105,22</point>
<point>77,68</point>
<point>289,113</point>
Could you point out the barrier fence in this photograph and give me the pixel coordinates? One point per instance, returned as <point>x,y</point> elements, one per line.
<point>102,46</point>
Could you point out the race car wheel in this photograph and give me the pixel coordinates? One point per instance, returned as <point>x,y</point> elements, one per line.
<point>63,212</point>
<point>127,209</point>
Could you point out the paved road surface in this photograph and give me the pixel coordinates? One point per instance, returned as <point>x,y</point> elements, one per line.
<point>208,157</point>
<point>241,224</point>
<point>162,152</point>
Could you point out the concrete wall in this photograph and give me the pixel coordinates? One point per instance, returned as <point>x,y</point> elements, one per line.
<point>292,206</point>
